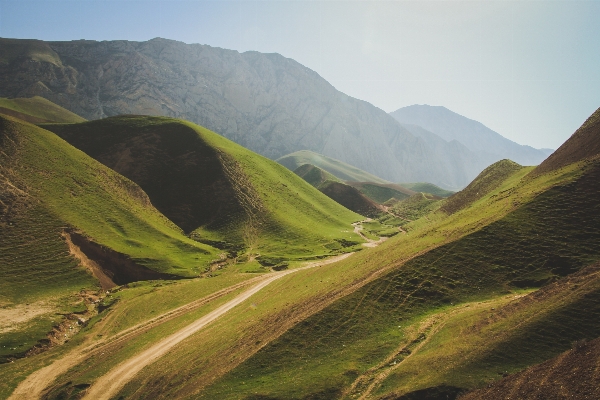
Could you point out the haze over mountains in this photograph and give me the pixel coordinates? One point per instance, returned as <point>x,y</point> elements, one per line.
<point>265,102</point>
<point>488,145</point>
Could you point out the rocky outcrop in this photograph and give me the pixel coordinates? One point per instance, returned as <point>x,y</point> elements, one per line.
<point>265,102</point>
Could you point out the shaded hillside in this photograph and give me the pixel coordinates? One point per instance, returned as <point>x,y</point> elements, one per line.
<point>49,189</point>
<point>381,193</point>
<point>350,198</point>
<point>339,169</point>
<point>573,374</point>
<point>490,146</point>
<point>427,188</point>
<point>488,180</point>
<point>314,175</point>
<point>226,195</point>
<point>37,110</point>
<point>583,144</point>
<point>265,102</point>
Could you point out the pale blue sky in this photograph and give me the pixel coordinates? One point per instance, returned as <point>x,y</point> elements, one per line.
<point>528,69</point>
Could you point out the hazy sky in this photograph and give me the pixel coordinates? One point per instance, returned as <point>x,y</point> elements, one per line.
<point>528,69</point>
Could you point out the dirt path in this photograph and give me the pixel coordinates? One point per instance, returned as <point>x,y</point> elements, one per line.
<point>109,384</point>
<point>370,242</point>
<point>35,384</point>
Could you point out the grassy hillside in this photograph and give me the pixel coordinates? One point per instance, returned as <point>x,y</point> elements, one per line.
<point>350,198</point>
<point>314,175</point>
<point>381,193</point>
<point>427,188</point>
<point>220,192</point>
<point>340,169</point>
<point>489,179</point>
<point>49,189</point>
<point>36,50</point>
<point>548,237</point>
<point>552,379</point>
<point>37,110</point>
<point>583,144</point>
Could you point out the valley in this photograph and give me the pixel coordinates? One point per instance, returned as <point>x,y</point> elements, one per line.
<point>145,256</point>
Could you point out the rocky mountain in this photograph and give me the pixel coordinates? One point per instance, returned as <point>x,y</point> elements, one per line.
<point>265,102</point>
<point>489,146</point>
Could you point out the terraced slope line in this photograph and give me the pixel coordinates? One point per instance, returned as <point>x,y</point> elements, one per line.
<point>109,384</point>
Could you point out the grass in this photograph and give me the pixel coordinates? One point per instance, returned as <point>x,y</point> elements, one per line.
<point>427,188</point>
<point>340,169</point>
<point>546,238</point>
<point>380,193</point>
<point>314,175</point>
<point>40,108</point>
<point>244,202</point>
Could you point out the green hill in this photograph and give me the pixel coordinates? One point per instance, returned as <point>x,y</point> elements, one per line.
<point>219,192</point>
<point>340,169</point>
<point>314,175</point>
<point>350,198</point>
<point>489,179</point>
<point>37,110</point>
<point>427,188</point>
<point>382,192</point>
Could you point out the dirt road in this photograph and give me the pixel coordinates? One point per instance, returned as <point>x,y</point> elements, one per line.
<point>108,385</point>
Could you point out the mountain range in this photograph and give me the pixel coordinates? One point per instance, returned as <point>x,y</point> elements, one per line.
<point>268,103</point>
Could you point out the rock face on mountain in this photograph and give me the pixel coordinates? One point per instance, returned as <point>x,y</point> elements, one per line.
<point>489,146</point>
<point>265,102</point>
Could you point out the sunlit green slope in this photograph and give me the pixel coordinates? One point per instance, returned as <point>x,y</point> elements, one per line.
<point>48,187</point>
<point>37,109</point>
<point>216,190</point>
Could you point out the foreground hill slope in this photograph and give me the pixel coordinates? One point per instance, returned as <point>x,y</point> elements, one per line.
<point>213,188</point>
<point>572,374</point>
<point>265,102</point>
<point>51,188</point>
<point>433,321</point>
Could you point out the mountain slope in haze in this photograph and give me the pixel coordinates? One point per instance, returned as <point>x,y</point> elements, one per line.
<point>37,110</point>
<point>488,145</point>
<point>265,102</point>
<point>339,169</point>
<point>220,192</point>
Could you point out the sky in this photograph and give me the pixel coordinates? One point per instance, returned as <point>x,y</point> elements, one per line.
<point>530,70</point>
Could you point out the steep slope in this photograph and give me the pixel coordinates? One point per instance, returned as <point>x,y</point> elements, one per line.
<point>425,323</point>
<point>314,175</point>
<point>37,110</point>
<point>337,168</point>
<point>487,144</point>
<point>583,144</point>
<point>573,374</point>
<point>265,102</point>
<point>350,198</point>
<point>223,194</point>
<point>51,189</point>
<point>488,180</point>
